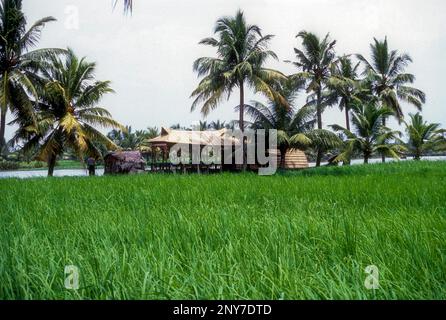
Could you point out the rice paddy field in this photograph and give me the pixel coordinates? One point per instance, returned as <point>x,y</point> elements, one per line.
<point>297,235</point>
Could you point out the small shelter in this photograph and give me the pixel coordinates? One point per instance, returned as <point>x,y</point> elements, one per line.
<point>294,159</point>
<point>170,137</point>
<point>124,162</point>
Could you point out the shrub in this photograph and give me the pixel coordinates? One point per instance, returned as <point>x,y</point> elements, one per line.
<point>9,165</point>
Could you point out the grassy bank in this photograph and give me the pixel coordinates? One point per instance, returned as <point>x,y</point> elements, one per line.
<point>299,235</point>
<point>38,165</point>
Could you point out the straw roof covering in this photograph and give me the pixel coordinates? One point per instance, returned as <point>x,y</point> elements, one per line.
<point>294,159</point>
<point>123,162</point>
<point>204,138</point>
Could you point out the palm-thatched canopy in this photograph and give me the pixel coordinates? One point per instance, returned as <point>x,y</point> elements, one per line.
<point>171,137</point>
<point>124,162</point>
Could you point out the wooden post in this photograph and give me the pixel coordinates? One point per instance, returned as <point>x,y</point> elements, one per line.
<point>164,158</point>
<point>153,159</point>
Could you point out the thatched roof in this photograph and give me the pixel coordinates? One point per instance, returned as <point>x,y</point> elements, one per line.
<point>124,162</point>
<point>204,138</point>
<point>294,159</point>
<point>126,156</point>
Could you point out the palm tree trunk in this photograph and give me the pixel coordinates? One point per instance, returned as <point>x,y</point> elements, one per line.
<point>242,107</point>
<point>347,118</point>
<point>2,126</point>
<point>51,165</point>
<point>319,125</point>
<point>242,122</point>
<point>366,159</point>
<point>282,157</point>
<point>319,109</point>
<point>417,155</point>
<point>383,156</point>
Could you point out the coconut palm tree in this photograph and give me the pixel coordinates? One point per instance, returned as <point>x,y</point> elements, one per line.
<point>423,136</point>
<point>295,126</point>
<point>345,84</point>
<point>128,5</point>
<point>218,125</point>
<point>67,111</point>
<point>370,136</point>
<point>126,139</point>
<point>388,80</point>
<point>315,61</point>
<point>241,56</point>
<point>242,51</point>
<point>203,126</point>
<point>18,65</point>
<point>152,132</point>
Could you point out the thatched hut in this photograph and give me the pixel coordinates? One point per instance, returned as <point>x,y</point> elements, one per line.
<point>169,138</point>
<point>294,159</point>
<point>124,162</point>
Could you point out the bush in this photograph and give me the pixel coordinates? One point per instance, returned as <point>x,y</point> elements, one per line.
<point>9,165</point>
<point>32,165</point>
<point>38,164</point>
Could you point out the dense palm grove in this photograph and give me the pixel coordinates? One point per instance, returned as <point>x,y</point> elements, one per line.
<point>53,96</point>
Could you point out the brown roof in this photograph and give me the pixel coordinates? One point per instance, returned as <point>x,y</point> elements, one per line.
<point>218,137</point>
<point>126,156</point>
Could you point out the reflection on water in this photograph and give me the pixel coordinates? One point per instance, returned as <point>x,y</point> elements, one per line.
<point>100,172</point>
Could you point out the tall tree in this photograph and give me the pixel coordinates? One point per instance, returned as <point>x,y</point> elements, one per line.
<point>423,136</point>
<point>345,84</point>
<point>315,61</point>
<point>152,132</point>
<point>218,125</point>
<point>370,136</point>
<point>203,126</point>
<point>295,126</point>
<point>18,65</point>
<point>389,81</point>
<point>67,112</point>
<point>242,51</point>
<point>126,139</point>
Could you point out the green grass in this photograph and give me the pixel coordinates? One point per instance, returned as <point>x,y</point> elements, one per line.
<point>298,235</point>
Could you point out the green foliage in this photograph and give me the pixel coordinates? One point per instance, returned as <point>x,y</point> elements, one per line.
<point>345,85</point>
<point>423,136</point>
<point>386,76</point>
<point>32,165</point>
<point>66,116</point>
<point>242,51</point>
<point>315,62</point>
<point>370,136</point>
<point>128,139</point>
<point>18,63</point>
<point>303,235</point>
<point>295,127</point>
<point>9,165</point>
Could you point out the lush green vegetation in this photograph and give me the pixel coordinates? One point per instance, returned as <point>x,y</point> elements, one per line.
<point>39,165</point>
<point>307,234</point>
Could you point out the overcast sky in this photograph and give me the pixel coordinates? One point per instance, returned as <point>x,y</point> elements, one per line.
<point>148,56</point>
